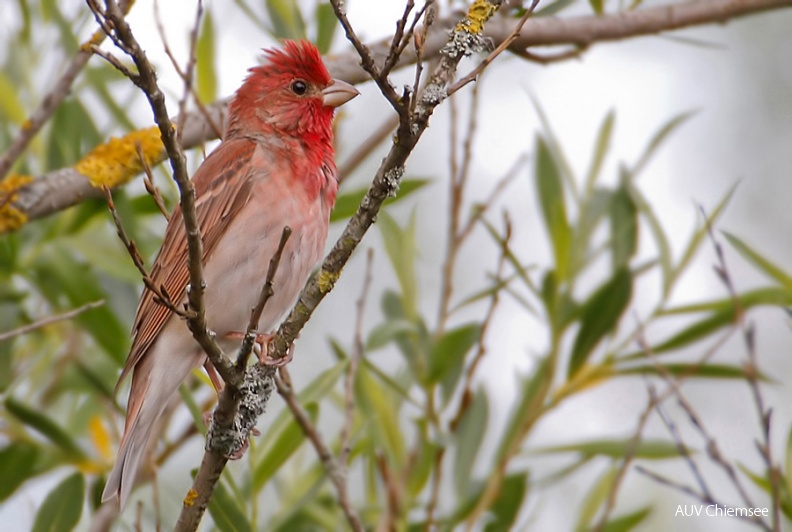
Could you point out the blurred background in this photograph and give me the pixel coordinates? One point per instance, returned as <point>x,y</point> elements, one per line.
<point>732,83</point>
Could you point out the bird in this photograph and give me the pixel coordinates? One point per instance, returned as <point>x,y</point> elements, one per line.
<point>274,167</point>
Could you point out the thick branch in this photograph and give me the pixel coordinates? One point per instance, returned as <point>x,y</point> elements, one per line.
<point>59,189</point>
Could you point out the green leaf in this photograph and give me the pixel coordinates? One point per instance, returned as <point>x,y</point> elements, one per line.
<point>769,269</point>
<point>205,66</point>
<point>468,437</point>
<point>402,251</point>
<point>527,410</point>
<point>645,449</point>
<point>347,204</point>
<point>594,208</point>
<point>381,409</point>
<point>450,349</point>
<point>385,333</point>
<point>627,522</point>
<point>286,18</point>
<point>550,191</point>
<point>17,462</point>
<point>658,233</point>
<point>597,6</point>
<point>624,226</point>
<point>11,108</point>
<point>550,9</point>
<point>600,151</point>
<point>227,513</point>
<point>421,467</point>
<point>657,140</point>
<point>696,371</point>
<point>286,444</point>
<point>698,236</point>
<point>42,424</point>
<point>326,25</point>
<point>62,508</point>
<point>600,315</point>
<point>596,496</point>
<point>506,507</point>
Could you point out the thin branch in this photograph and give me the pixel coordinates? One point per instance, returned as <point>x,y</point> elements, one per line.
<point>49,320</point>
<point>335,471</point>
<point>354,361</point>
<point>496,52</point>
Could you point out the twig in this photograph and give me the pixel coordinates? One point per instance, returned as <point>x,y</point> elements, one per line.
<point>367,147</point>
<point>496,52</point>
<point>148,182</point>
<point>354,361</point>
<point>334,470</point>
<point>752,374</point>
<point>49,320</point>
<point>267,291</point>
<point>161,296</point>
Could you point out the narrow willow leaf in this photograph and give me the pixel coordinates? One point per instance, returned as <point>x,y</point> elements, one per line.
<point>696,371</point>
<point>386,332</point>
<point>422,467</point>
<point>599,316</point>
<point>597,6</point>
<point>550,191</point>
<point>45,426</point>
<point>624,226</point>
<point>658,138</point>
<point>506,507</point>
<point>11,108</point>
<point>595,497</point>
<point>347,203</point>
<point>646,449</point>
<point>326,25</point>
<point>526,411</point>
<point>658,233</point>
<point>601,148</point>
<point>450,349</point>
<point>402,252</point>
<point>206,65</point>
<point>596,206</point>
<point>550,9</point>
<point>17,462</point>
<point>287,443</point>
<point>699,235</point>
<point>382,412</point>
<point>227,513</point>
<point>627,522</point>
<point>469,435</point>
<point>286,18</point>
<point>771,270</point>
<point>61,510</point>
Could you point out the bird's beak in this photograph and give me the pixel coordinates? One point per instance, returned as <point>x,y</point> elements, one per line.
<point>339,93</point>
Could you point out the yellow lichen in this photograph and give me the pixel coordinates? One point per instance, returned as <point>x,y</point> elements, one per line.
<point>189,499</point>
<point>326,281</point>
<point>11,218</point>
<point>117,161</point>
<point>479,13</point>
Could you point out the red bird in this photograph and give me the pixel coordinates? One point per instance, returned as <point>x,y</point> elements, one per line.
<point>273,168</point>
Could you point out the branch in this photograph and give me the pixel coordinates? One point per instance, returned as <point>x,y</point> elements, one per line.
<point>49,320</point>
<point>25,198</point>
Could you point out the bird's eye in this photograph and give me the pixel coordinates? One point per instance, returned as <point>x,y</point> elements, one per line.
<point>299,87</point>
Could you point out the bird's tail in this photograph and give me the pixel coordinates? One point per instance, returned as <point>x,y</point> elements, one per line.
<point>154,381</point>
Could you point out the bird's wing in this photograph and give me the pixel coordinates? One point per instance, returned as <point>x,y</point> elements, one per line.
<point>222,186</point>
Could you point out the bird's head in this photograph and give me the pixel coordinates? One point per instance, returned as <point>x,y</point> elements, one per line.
<point>291,93</point>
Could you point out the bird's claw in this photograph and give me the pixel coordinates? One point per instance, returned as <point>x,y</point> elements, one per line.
<point>262,352</point>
